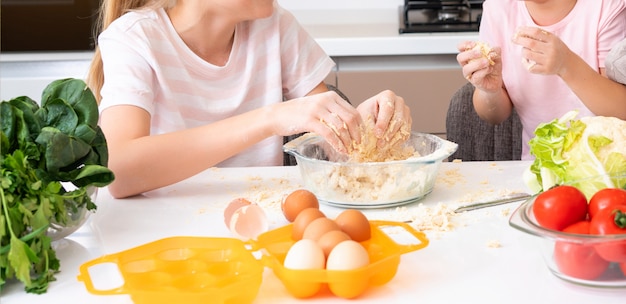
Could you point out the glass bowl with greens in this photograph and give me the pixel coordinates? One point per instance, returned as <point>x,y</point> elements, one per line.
<point>46,146</point>
<point>75,214</point>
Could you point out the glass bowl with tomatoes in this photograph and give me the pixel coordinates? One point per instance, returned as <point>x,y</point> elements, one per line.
<point>582,236</point>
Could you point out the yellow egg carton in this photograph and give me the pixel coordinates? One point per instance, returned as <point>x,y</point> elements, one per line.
<point>225,270</point>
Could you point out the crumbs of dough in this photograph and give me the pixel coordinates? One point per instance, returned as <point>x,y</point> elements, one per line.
<point>495,166</point>
<point>269,195</point>
<point>451,177</point>
<point>427,218</point>
<point>494,244</point>
<point>368,150</point>
<point>486,50</point>
<point>487,195</point>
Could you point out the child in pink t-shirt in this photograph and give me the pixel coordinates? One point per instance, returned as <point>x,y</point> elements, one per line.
<point>547,59</point>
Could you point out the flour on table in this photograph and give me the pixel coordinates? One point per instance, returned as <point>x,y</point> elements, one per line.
<point>451,177</point>
<point>494,244</point>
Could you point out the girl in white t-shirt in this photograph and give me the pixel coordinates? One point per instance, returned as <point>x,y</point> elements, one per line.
<point>184,85</point>
<point>547,59</point>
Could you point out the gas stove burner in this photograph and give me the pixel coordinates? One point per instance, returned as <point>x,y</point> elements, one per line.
<point>428,16</point>
<point>449,15</point>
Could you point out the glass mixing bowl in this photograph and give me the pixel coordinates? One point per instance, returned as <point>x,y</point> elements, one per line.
<point>339,183</point>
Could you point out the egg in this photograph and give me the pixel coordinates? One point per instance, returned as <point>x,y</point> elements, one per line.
<point>304,218</point>
<point>305,254</point>
<point>347,255</point>
<point>297,201</point>
<point>330,239</point>
<point>355,224</point>
<point>319,227</point>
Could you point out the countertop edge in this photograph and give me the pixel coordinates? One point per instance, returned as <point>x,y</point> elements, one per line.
<point>405,44</point>
<point>46,56</point>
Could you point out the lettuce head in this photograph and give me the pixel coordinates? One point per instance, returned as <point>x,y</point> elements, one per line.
<point>589,153</point>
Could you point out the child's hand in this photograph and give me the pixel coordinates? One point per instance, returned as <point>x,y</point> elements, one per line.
<point>325,114</point>
<point>390,115</point>
<point>542,52</point>
<point>482,65</point>
<point>333,118</point>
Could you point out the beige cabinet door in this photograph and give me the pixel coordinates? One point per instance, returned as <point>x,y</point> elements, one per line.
<point>426,88</point>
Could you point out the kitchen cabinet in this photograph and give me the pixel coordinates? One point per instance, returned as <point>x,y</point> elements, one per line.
<point>426,82</point>
<point>331,79</point>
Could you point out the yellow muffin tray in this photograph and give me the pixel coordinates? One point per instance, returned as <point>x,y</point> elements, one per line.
<point>225,270</point>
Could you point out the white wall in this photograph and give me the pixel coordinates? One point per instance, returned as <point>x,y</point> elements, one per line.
<point>340,4</point>
<point>331,12</point>
<point>29,78</point>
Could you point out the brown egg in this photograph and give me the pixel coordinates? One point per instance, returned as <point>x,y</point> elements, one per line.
<point>297,201</point>
<point>355,224</point>
<point>303,219</point>
<point>319,227</point>
<point>330,239</point>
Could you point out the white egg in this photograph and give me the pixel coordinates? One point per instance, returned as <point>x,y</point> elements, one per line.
<point>347,255</point>
<point>305,254</point>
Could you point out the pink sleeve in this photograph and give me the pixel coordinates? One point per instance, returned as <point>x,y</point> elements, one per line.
<point>493,14</point>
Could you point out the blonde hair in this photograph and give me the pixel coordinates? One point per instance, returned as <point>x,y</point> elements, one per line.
<point>108,12</point>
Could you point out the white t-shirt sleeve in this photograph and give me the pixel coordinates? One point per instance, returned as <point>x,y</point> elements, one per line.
<point>127,72</point>
<point>304,62</point>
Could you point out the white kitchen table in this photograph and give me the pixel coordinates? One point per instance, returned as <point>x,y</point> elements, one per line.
<point>476,258</point>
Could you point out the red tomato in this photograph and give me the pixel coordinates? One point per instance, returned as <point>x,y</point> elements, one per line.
<point>559,207</point>
<point>606,198</point>
<point>579,260</point>
<point>608,222</point>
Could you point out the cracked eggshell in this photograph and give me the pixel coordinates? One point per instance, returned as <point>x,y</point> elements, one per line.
<point>232,207</point>
<point>245,220</point>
